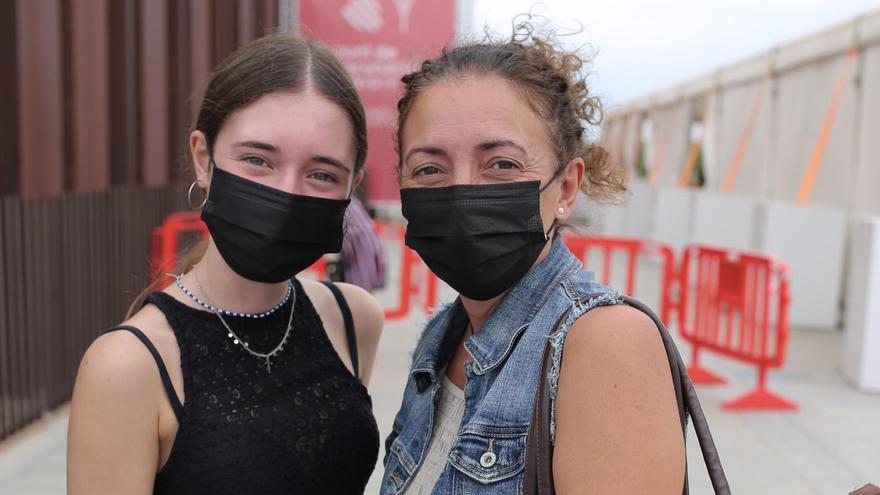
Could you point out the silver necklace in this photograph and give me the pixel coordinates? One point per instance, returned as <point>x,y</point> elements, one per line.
<point>236,339</point>
<point>214,309</point>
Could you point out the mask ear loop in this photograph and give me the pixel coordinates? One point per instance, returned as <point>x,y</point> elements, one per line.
<point>556,175</point>
<point>348,197</point>
<point>553,178</point>
<point>211,166</point>
<point>351,177</point>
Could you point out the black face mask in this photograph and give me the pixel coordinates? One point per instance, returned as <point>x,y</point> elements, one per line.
<point>267,235</point>
<point>479,239</point>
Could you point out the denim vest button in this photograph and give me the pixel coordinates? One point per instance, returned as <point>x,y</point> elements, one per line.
<point>488,459</point>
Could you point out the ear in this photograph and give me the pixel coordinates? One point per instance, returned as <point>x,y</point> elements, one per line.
<point>570,183</point>
<point>201,155</point>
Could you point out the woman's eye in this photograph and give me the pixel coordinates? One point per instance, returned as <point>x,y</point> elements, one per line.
<point>256,161</point>
<point>504,165</point>
<point>427,170</point>
<point>323,177</point>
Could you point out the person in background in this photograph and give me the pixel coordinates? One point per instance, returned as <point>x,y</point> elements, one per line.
<point>362,256</point>
<point>240,378</point>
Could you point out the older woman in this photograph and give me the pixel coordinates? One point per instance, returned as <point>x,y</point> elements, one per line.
<point>492,156</point>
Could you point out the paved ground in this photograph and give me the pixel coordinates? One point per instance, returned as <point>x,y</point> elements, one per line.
<point>830,446</point>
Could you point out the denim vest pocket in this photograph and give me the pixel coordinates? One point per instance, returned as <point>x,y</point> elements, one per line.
<point>396,471</point>
<point>489,455</point>
<point>397,450</point>
<point>395,431</point>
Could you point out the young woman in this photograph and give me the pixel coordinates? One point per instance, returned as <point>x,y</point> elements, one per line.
<point>492,155</point>
<point>239,378</point>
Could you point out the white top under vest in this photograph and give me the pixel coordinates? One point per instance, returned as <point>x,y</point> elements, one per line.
<point>447,420</point>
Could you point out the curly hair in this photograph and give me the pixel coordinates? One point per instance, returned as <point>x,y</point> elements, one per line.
<point>551,81</point>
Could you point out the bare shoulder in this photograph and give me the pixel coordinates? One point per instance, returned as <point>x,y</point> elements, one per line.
<point>616,351</point>
<point>615,387</point>
<point>115,362</point>
<point>120,358</point>
<point>368,318</point>
<point>366,311</point>
<point>365,308</point>
<point>615,331</point>
<point>115,413</point>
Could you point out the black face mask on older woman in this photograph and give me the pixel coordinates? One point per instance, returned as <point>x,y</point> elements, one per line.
<point>267,235</point>
<point>480,239</point>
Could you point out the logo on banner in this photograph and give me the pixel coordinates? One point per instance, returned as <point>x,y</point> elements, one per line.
<point>366,15</point>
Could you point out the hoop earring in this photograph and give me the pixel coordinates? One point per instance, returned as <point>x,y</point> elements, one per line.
<point>189,197</point>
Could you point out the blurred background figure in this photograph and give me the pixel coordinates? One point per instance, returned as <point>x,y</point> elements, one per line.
<point>362,258</point>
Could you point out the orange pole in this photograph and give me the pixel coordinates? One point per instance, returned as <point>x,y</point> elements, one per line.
<point>809,178</point>
<point>689,165</point>
<point>744,139</point>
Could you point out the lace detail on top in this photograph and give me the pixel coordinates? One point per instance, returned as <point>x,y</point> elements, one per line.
<point>306,428</point>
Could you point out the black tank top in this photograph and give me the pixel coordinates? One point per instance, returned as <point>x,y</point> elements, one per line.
<point>305,428</point>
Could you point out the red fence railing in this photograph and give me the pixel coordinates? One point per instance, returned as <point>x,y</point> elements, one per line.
<point>633,249</point>
<point>736,304</point>
<point>732,303</point>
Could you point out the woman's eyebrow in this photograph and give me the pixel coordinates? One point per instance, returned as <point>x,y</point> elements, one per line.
<point>331,161</point>
<point>498,143</point>
<point>260,145</point>
<point>430,150</point>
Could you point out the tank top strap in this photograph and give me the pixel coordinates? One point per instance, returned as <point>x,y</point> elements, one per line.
<point>349,326</point>
<point>160,363</point>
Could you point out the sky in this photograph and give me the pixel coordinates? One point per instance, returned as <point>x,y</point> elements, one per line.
<point>641,46</point>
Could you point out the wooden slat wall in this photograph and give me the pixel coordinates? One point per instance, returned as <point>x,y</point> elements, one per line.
<point>96,108</point>
<point>90,22</point>
<point>104,91</point>
<point>155,70</point>
<point>125,101</point>
<point>41,115</point>
<point>9,157</point>
<point>69,267</point>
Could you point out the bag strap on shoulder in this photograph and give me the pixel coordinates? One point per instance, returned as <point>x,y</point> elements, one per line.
<point>539,447</point>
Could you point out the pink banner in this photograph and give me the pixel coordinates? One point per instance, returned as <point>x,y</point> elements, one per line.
<point>379,41</point>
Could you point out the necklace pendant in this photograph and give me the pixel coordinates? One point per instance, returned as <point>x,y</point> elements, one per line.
<point>268,366</point>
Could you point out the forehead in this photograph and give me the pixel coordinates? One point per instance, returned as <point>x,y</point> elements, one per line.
<point>292,120</point>
<point>472,109</point>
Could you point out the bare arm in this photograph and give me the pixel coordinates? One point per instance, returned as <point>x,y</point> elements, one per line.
<point>618,429</point>
<point>113,444</point>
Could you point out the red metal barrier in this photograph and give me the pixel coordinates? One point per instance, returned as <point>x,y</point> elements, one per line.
<point>411,266</point>
<point>581,245</point>
<point>166,246</point>
<point>736,304</point>
<point>166,241</point>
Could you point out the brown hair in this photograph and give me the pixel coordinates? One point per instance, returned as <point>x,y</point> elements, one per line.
<point>551,81</point>
<point>279,62</point>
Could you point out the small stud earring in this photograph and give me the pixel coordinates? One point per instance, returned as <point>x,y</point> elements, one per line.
<point>561,210</point>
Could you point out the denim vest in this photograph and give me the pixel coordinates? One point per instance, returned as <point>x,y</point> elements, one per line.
<point>488,455</point>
